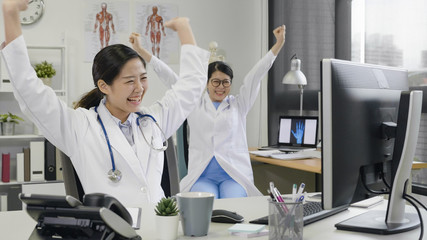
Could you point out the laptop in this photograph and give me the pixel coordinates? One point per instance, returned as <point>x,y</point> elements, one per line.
<point>296,133</point>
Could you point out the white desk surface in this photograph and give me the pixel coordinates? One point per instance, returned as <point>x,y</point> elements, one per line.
<point>19,225</point>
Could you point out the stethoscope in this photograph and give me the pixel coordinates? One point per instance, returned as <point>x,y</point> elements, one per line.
<point>114,174</point>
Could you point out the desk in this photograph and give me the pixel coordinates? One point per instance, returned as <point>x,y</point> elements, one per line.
<point>311,165</point>
<point>19,225</point>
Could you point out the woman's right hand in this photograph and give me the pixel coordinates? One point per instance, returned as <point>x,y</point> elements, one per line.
<point>15,5</point>
<point>135,40</point>
<point>181,25</point>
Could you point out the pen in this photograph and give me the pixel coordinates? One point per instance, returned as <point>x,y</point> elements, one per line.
<point>279,196</point>
<point>294,192</point>
<point>280,199</point>
<point>300,189</point>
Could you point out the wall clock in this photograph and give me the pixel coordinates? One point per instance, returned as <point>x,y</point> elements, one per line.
<point>33,13</point>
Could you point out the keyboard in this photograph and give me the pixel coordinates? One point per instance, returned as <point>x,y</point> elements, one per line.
<point>312,212</point>
<point>296,155</point>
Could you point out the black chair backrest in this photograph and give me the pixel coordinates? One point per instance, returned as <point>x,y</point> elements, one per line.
<point>73,186</point>
<point>170,177</point>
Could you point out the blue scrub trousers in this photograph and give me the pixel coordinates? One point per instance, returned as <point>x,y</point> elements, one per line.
<point>215,180</point>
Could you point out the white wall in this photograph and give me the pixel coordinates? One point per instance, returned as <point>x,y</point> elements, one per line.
<point>239,27</point>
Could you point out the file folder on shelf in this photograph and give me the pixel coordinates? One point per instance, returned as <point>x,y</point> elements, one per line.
<point>27,171</point>
<point>37,161</point>
<point>20,167</point>
<point>5,167</point>
<point>50,161</point>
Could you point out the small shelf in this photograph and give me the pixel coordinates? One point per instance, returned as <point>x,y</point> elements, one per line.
<point>28,183</point>
<point>20,138</point>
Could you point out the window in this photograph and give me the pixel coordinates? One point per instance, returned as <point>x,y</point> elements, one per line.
<point>391,33</point>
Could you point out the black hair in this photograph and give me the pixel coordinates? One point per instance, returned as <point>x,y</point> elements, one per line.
<point>107,64</point>
<point>220,66</point>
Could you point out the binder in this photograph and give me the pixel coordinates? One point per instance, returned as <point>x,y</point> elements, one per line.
<point>3,202</point>
<point>59,165</point>
<point>50,161</point>
<point>20,167</point>
<point>5,167</point>
<point>37,161</point>
<point>27,165</point>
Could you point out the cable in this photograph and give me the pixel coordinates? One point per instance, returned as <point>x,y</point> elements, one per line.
<point>384,180</point>
<point>363,180</point>
<point>408,198</point>
<point>405,196</point>
<point>416,200</point>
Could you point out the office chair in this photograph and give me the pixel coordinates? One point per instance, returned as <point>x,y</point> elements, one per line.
<point>170,177</point>
<point>73,186</point>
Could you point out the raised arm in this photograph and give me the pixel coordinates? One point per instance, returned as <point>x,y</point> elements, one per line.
<point>135,40</point>
<point>279,33</point>
<point>183,28</point>
<point>12,24</point>
<point>37,101</point>
<point>165,73</point>
<point>180,101</point>
<point>251,84</point>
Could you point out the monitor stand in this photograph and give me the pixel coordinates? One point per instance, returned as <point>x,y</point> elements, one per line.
<point>374,222</point>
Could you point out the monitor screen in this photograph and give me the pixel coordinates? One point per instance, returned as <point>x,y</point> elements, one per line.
<point>289,127</point>
<point>358,101</point>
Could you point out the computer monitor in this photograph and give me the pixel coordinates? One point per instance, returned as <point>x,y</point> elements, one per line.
<point>360,156</point>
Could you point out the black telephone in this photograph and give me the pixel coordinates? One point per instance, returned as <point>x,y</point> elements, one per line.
<point>100,216</point>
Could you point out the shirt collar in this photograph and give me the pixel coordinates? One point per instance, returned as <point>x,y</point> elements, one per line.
<point>119,123</point>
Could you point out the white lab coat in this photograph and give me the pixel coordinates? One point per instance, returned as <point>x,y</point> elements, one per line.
<point>222,132</point>
<point>79,135</point>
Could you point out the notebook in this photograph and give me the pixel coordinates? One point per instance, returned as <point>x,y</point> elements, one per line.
<point>297,133</point>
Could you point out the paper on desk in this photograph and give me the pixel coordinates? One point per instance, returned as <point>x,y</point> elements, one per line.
<point>246,228</point>
<point>277,154</point>
<point>265,153</point>
<point>135,213</point>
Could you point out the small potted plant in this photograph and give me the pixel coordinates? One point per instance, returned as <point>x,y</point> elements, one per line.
<point>45,72</point>
<point>167,218</point>
<point>8,121</point>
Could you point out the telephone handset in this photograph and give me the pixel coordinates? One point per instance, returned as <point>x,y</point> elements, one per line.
<point>100,216</point>
<point>107,201</point>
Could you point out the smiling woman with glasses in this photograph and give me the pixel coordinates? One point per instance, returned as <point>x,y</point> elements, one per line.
<point>225,83</point>
<point>218,151</point>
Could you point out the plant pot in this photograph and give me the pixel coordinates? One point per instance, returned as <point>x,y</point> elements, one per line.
<point>47,81</point>
<point>167,227</point>
<point>8,128</point>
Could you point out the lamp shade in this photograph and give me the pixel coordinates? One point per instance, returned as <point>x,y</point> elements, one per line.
<point>295,76</point>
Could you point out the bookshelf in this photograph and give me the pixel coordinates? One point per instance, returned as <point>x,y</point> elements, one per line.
<point>26,132</point>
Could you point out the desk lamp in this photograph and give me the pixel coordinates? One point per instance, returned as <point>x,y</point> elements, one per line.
<point>296,77</point>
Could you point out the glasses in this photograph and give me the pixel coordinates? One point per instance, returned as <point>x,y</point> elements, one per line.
<point>225,83</point>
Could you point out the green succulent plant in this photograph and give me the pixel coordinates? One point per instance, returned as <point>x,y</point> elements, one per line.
<point>44,70</point>
<point>9,117</point>
<point>166,207</point>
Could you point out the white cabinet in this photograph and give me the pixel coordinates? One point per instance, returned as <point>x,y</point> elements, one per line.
<point>25,131</point>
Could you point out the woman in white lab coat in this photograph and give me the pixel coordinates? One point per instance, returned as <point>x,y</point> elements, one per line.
<point>120,81</point>
<point>218,153</point>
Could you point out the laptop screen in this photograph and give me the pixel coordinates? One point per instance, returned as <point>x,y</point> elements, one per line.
<point>298,131</point>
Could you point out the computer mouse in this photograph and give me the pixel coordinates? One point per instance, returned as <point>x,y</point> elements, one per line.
<point>225,216</point>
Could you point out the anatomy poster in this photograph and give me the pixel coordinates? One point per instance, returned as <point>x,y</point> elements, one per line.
<point>106,23</point>
<point>159,40</point>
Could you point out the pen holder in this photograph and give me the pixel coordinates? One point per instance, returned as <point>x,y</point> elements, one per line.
<point>285,220</point>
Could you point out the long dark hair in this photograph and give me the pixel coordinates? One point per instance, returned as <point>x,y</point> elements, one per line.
<point>107,64</point>
<point>220,66</point>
